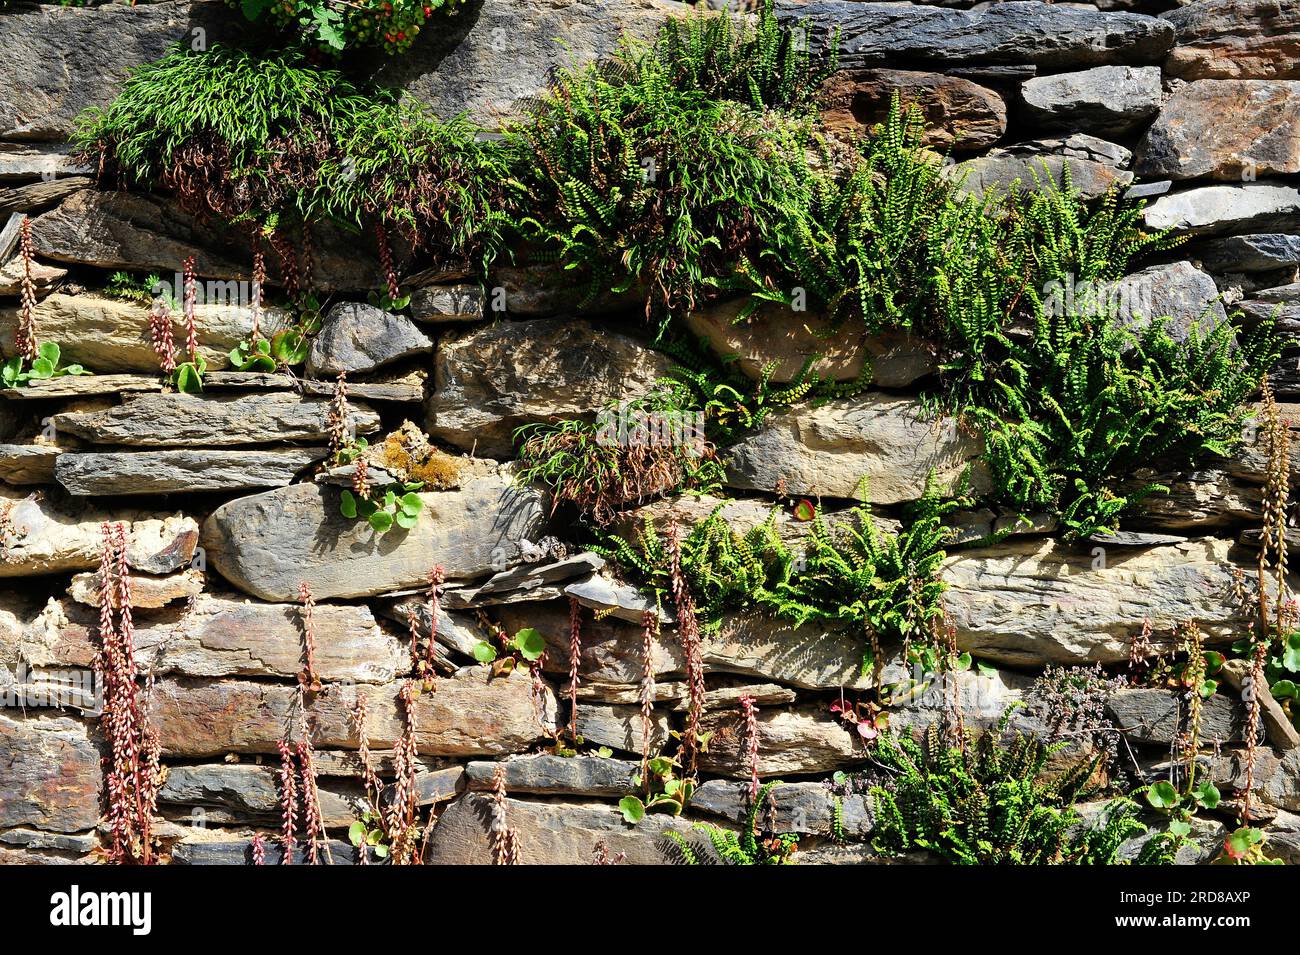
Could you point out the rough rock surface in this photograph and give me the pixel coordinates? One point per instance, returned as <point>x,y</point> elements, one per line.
<point>184,420</point>
<point>1038,602</point>
<point>54,64</point>
<point>1044,35</point>
<point>1251,206</point>
<point>52,777</point>
<point>358,338</point>
<point>144,233</point>
<point>492,380</point>
<point>110,335</point>
<point>559,775</point>
<point>803,739</point>
<point>1003,168</point>
<point>268,543</point>
<point>37,537</point>
<point>1250,253</point>
<point>959,114</point>
<point>1224,129</point>
<point>1106,100</point>
<point>468,715</point>
<point>491,57</point>
<point>447,303</point>
<point>831,450</point>
<point>1236,38</point>
<point>1179,292</point>
<point>180,471</point>
<point>552,833</point>
<point>774,333</point>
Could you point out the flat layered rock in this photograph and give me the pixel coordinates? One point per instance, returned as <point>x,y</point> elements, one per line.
<point>489,62</point>
<point>546,774</point>
<point>54,64</point>
<point>180,471</point>
<point>879,440</point>
<point>492,380</point>
<point>1040,602</point>
<point>147,592</point>
<point>435,304</point>
<point>466,715</point>
<point>1213,210</point>
<point>959,114</point>
<point>111,335</point>
<point>177,420</point>
<point>21,162</point>
<point>268,543</point>
<point>1236,39</point>
<point>619,727</point>
<point>83,386</point>
<point>38,538</point>
<point>804,808</point>
<point>1225,129</point>
<point>148,233</point>
<point>405,385</point>
<point>248,791</point>
<point>1003,169</point>
<point>794,741</point>
<point>775,334</point>
<point>357,338</point>
<point>553,833</point>
<point>223,635</point>
<point>1178,291</point>
<point>44,277</point>
<point>1107,100</point>
<point>1250,253</point>
<point>52,775</point>
<point>1158,717</point>
<point>28,463</point>
<point>1040,34</point>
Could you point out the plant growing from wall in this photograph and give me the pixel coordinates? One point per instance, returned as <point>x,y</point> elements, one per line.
<point>979,801</point>
<point>335,26</point>
<point>748,847</point>
<point>664,788</point>
<point>132,774</point>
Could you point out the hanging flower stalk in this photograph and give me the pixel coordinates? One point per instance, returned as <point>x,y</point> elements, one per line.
<point>337,418</point>
<point>288,263</point>
<point>191,295</point>
<point>132,771</point>
<point>25,340</point>
<point>313,820</point>
<point>259,850</point>
<point>749,713</point>
<point>259,281</point>
<point>688,631</point>
<point>575,659</point>
<point>401,820</point>
<point>505,841</point>
<point>288,801</point>
<point>308,678</point>
<point>386,261</point>
<point>649,627</point>
<point>160,332</point>
<point>436,578</point>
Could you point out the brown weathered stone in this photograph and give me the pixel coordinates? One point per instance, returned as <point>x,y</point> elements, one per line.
<point>790,742</point>
<point>959,114</point>
<point>1236,39</point>
<point>465,715</point>
<point>774,333</point>
<point>1222,129</point>
<point>148,593</point>
<point>51,773</point>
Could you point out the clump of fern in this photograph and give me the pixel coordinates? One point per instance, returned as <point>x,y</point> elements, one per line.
<point>763,64</point>
<point>751,846</point>
<point>600,469</point>
<point>985,802</point>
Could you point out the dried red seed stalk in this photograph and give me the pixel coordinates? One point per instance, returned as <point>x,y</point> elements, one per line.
<point>288,800</point>
<point>311,811</point>
<point>360,485</point>
<point>505,842</point>
<point>750,714</point>
<point>308,677</point>
<point>688,631</point>
<point>405,761</point>
<point>649,627</point>
<point>25,340</point>
<point>575,659</point>
<point>386,260</point>
<point>160,331</point>
<point>259,850</point>
<point>190,300</point>
<point>337,418</point>
<point>132,766</point>
<point>259,282</point>
<point>436,578</point>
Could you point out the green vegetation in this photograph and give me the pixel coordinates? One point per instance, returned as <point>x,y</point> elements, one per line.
<point>850,575</point>
<point>16,371</point>
<point>748,847</point>
<point>334,25</point>
<point>985,802</point>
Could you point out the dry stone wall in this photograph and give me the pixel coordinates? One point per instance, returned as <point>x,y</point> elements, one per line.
<point>1194,105</point>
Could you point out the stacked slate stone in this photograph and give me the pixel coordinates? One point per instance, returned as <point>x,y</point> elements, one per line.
<point>1194,105</point>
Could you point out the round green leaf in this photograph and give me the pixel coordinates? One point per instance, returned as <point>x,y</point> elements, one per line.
<point>406,521</point>
<point>530,643</point>
<point>357,833</point>
<point>484,652</point>
<point>1163,795</point>
<point>633,809</point>
<point>348,505</point>
<point>381,521</point>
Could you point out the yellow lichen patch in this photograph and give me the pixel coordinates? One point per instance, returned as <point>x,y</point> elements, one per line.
<point>408,455</point>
